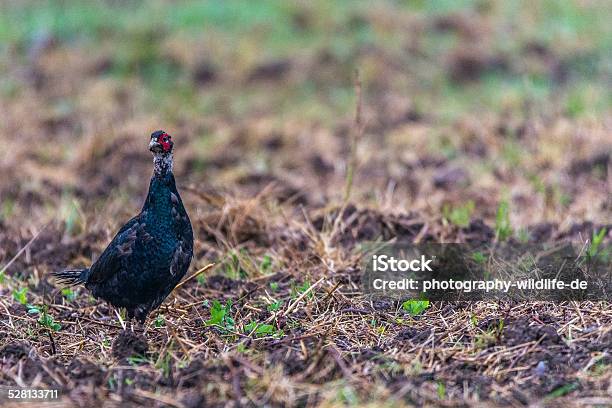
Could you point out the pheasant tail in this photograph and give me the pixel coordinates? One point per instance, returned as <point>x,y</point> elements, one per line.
<point>71,276</point>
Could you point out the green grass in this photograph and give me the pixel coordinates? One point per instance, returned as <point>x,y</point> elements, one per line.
<point>459,215</point>
<point>268,22</point>
<point>563,390</point>
<point>267,29</point>
<point>594,247</point>
<point>503,226</point>
<point>248,32</point>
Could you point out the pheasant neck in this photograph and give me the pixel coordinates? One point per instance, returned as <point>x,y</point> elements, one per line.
<point>162,164</point>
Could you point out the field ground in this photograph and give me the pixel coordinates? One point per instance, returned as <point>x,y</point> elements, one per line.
<point>470,108</point>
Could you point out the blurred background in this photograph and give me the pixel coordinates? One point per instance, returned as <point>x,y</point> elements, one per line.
<point>467,104</point>
<point>483,120</point>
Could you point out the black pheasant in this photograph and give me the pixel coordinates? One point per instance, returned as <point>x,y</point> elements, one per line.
<point>150,253</point>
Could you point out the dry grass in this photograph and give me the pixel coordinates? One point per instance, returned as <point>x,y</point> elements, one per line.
<point>327,343</point>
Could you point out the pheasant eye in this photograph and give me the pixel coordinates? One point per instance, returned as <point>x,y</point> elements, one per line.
<point>164,140</point>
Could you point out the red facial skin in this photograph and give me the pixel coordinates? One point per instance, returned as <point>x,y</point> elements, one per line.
<point>165,141</point>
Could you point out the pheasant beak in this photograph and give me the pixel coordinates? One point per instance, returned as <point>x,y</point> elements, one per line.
<point>155,146</point>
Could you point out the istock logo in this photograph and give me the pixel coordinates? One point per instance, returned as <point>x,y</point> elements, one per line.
<point>384,263</point>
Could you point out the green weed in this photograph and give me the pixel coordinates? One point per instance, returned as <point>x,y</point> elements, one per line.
<point>46,320</point>
<point>201,279</point>
<point>159,321</point>
<point>262,330</point>
<point>233,268</point>
<point>69,294</point>
<point>275,307</point>
<point>20,295</point>
<point>441,390</point>
<point>415,307</point>
<point>220,316</point>
<point>479,257</point>
<point>136,360</point>
<point>297,290</point>
<point>164,363</point>
<point>266,265</point>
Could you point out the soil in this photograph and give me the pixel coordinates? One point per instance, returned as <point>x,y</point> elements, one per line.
<point>129,344</point>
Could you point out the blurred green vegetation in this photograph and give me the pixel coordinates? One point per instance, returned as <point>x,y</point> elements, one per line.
<point>245,32</point>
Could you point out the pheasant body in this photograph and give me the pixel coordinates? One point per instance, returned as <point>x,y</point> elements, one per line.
<point>150,254</point>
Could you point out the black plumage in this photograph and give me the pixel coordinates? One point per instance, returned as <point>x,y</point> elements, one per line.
<point>151,253</point>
